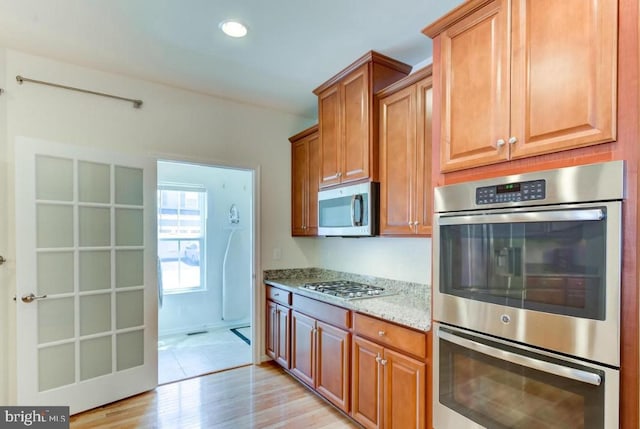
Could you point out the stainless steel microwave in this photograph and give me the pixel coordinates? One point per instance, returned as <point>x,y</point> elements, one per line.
<point>349,211</point>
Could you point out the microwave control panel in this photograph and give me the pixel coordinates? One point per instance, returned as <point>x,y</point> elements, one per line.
<point>511,192</point>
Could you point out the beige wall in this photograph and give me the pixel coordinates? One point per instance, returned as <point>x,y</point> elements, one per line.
<point>406,259</point>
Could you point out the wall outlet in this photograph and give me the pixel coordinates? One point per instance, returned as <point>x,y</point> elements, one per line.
<point>277,253</point>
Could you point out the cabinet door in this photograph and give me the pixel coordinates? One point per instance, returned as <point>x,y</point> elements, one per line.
<point>313,183</point>
<point>366,389</point>
<point>332,376</point>
<point>424,195</point>
<point>564,68</point>
<point>299,186</point>
<point>404,391</point>
<point>284,331</point>
<point>475,62</point>
<point>303,349</point>
<point>356,122</point>
<point>330,132</point>
<point>397,162</point>
<point>271,329</point>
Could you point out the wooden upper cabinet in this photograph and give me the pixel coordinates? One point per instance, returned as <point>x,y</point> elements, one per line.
<point>405,156</point>
<point>305,171</point>
<point>347,117</point>
<point>520,78</point>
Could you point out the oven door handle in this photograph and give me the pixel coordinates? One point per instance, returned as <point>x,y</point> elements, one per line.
<point>540,365</point>
<point>535,216</point>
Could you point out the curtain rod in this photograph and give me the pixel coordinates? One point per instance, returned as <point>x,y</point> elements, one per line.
<point>136,103</point>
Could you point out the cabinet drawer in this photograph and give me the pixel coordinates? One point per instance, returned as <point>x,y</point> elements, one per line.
<point>278,295</point>
<point>389,334</point>
<point>331,314</point>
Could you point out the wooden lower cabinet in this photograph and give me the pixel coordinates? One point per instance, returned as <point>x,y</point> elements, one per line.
<point>388,387</point>
<point>320,357</point>
<point>278,333</point>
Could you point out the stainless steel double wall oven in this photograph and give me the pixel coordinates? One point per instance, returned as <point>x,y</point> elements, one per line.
<point>526,272</point>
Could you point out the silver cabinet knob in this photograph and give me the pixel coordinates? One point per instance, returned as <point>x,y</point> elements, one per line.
<point>513,140</point>
<point>415,223</point>
<point>381,333</point>
<point>500,143</point>
<point>378,358</point>
<point>383,362</point>
<point>31,297</point>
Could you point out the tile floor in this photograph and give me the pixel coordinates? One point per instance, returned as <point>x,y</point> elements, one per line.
<point>184,356</point>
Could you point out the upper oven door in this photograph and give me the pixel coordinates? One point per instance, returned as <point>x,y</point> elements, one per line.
<point>548,276</point>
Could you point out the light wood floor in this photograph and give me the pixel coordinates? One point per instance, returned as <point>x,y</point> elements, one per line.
<point>262,396</point>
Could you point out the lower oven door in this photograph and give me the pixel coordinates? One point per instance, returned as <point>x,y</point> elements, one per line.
<point>485,382</point>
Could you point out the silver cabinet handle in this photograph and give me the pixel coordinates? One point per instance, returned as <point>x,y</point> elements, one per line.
<point>518,359</point>
<point>383,361</point>
<point>513,140</point>
<point>381,333</point>
<point>31,297</point>
<point>500,143</point>
<point>378,358</point>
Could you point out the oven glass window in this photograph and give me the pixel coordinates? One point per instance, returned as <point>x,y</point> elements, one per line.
<point>555,266</point>
<point>498,394</point>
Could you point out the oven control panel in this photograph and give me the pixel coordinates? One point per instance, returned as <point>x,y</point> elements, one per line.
<point>511,192</point>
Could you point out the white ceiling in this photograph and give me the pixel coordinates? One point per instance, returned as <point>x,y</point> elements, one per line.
<point>293,45</point>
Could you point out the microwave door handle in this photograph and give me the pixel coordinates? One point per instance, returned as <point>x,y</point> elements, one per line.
<point>536,216</point>
<point>359,220</point>
<point>540,365</point>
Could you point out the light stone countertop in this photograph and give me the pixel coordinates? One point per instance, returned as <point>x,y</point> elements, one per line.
<point>410,305</point>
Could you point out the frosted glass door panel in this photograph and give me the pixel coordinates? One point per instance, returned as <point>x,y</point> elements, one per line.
<point>56,366</point>
<point>54,178</point>
<point>95,314</point>
<point>55,319</point>
<point>129,186</point>
<point>95,226</point>
<point>94,185</point>
<point>55,272</point>
<point>129,227</point>
<point>95,357</point>
<point>129,306</point>
<point>95,270</point>
<point>54,226</point>
<point>130,347</point>
<point>129,268</point>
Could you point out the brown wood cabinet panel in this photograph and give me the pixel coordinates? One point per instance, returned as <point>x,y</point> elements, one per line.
<point>284,338</point>
<point>355,149</point>
<point>331,314</point>
<point>405,157</point>
<point>563,86</point>
<point>404,391</point>
<point>397,162</point>
<point>303,348</point>
<point>475,88</point>
<point>271,341</point>
<point>390,334</point>
<point>366,383</point>
<point>424,193</point>
<point>333,364</point>
<point>330,132</point>
<point>304,182</point>
<point>278,295</point>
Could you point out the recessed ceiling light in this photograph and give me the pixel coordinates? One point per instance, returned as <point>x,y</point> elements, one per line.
<point>233,28</point>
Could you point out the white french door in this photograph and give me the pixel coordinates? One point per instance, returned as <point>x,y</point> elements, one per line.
<point>86,296</point>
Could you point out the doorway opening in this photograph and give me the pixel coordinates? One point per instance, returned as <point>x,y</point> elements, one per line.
<point>205,264</point>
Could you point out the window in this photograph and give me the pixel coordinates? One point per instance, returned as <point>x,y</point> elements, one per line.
<point>181,237</point>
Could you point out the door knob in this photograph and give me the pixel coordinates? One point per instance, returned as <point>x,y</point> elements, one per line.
<point>513,140</point>
<point>31,297</point>
<point>500,143</point>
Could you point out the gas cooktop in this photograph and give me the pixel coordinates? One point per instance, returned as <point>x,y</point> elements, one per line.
<point>346,289</point>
